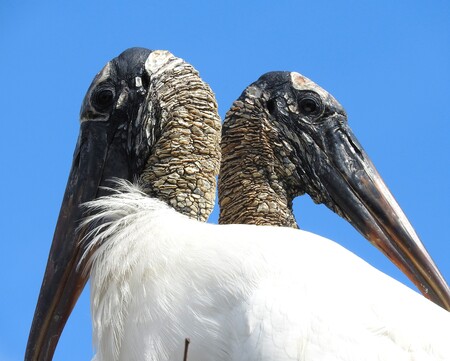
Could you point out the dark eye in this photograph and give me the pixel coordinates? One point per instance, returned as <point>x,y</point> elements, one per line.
<point>310,104</point>
<point>103,99</point>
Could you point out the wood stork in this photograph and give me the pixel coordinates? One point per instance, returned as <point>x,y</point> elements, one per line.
<point>147,116</point>
<point>159,277</point>
<point>286,136</point>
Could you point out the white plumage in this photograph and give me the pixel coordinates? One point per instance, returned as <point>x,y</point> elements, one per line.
<point>243,292</point>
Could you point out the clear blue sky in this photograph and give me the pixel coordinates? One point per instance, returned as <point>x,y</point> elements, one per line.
<point>387,62</point>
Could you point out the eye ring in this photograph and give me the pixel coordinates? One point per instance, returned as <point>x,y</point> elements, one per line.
<point>310,104</point>
<point>103,98</point>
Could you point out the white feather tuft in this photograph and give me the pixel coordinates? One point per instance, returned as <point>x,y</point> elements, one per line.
<point>242,292</point>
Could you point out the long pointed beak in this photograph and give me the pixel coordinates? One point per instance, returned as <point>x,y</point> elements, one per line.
<point>362,197</point>
<point>64,278</point>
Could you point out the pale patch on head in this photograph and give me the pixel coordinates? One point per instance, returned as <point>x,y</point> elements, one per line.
<point>105,73</point>
<point>301,82</point>
<point>253,92</point>
<point>157,59</point>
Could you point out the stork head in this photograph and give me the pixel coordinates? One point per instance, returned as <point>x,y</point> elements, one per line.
<point>313,150</point>
<point>147,117</point>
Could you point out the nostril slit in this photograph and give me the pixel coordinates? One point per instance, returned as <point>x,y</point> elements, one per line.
<point>271,106</point>
<point>145,80</point>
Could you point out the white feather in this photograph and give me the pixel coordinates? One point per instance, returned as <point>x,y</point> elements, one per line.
<point>243,292</point>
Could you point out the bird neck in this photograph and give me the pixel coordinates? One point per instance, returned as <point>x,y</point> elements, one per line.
<point>251,188</point>
<point>185,155</point>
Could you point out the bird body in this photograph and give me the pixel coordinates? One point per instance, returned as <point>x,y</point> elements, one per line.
<point>158,277</point>
<point>286,136</point>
